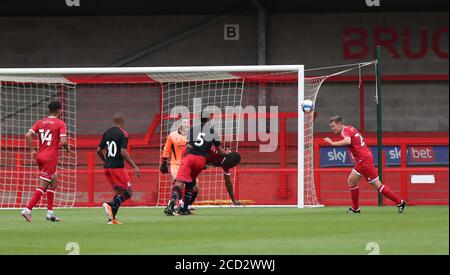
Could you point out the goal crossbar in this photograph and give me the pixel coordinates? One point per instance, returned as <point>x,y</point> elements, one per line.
<point>139,70</point>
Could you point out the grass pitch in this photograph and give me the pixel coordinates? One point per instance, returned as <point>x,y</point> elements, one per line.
<point>420,230</point>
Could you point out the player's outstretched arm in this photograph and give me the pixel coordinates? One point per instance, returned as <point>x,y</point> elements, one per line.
<point>130,161</point>
<point>230,191</point>
<point>29,141</point>
<point>344,142</point>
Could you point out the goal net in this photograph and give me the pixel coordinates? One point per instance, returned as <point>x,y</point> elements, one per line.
<point>23,101</point>
<point>255,110</point>
<point>247,109</point>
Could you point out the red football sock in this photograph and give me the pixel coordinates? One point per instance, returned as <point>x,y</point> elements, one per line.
<point>354,191</point>
<point>36,198</point>
<point>50,199</point>
<point>387,192</point>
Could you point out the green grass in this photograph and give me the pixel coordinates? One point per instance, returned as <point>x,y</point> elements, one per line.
<point>420,230</point>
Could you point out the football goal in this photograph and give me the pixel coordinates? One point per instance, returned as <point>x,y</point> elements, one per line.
<point>255,110</point>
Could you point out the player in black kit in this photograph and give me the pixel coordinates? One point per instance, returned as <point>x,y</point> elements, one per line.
<point>114,143</point>
<point>200,140</point>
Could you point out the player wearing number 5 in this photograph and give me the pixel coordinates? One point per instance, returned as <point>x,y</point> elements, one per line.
<point>364,166</point>
<point>51,132</point>
<point>200,140</point>
<point>114,143</point>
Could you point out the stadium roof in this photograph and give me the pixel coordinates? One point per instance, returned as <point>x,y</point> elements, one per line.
<point>186,7</point>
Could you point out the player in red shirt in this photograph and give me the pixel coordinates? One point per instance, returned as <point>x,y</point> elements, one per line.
<point>51,132</point>
<point>230,160</point>
<point>364,166</point>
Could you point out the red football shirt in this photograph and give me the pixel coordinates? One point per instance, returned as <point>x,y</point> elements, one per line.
<point>358,147</point>
<point>49,130</point>
<point>216,160</point>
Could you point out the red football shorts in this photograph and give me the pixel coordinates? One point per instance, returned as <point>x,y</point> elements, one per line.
<point>118,177</point>
<point>366,168</point>
<point>191,166</point>
<point>47,168</point>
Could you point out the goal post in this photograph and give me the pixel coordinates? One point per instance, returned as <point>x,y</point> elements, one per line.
<point>282,174</point>
<point>301,139</point>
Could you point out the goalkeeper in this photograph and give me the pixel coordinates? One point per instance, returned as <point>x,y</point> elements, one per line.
<point>175,144</point>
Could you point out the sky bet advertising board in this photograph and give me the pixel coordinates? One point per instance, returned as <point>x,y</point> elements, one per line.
<point>416,156</point>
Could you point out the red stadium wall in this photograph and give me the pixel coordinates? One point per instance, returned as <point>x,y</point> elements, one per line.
<point>272,180</point>
<point>268,180</point>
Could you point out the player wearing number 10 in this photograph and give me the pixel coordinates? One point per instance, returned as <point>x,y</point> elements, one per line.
<point>51,131</point>
<point>115,143</point>
<point>364,166</point>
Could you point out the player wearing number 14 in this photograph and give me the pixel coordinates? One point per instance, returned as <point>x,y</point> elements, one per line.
<point>51,132</point>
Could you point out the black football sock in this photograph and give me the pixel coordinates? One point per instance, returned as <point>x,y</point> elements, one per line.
<point>115,204</point>
<point>117,201</point>
<point>194,196</point>
<point>115,210</point>
<point>188,195</point>
<point>176,193</point>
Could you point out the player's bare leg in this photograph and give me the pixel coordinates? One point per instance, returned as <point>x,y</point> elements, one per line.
<point>38,193</point>
<point>51,189</point>
<point>353,180</point>
<point>387,192</point>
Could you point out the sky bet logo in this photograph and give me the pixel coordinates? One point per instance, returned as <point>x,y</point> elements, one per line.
<point>416,155</point>
<point>341,157</point>
<point>395,153</point>
<point>421,154</point>
<point>337,155</point>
